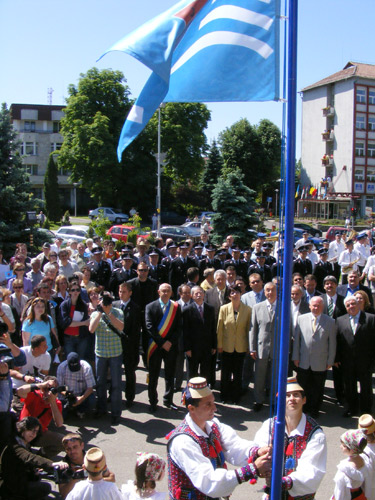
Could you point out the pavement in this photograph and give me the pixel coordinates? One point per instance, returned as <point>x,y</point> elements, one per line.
<point>142,431</point>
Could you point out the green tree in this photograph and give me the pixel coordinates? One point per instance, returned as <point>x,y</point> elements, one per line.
<point>234,205</point>
<point>51,191</point>
<point>255,150</point>
<point>212,171</point>
<point>182,139</point>
<point>15,187</point>
<point>95,112</point>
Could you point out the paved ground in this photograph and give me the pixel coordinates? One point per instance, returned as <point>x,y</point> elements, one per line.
<point>141,431</point>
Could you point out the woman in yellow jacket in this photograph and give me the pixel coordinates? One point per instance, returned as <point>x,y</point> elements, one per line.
<point>233,342</point>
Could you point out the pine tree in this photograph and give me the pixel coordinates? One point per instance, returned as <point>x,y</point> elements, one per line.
<point>212,170</point>
<point>234,204</point>
<point>51,191</point>
<point>15,187</point>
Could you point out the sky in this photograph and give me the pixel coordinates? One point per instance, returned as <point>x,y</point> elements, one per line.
<point>48,43</point>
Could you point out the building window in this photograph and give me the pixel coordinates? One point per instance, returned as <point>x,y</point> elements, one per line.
<point>56,127</point>
<point>55,146</point>
<point>361,95</point>
<point>371,174</point>
<point>371,97</point>
<point>359,173</point>
<point>29,149</point>
<point>360,122</point>
<point>32,169</point>
<point>371,149</point>
<point>64,171</point>
<point>359,149</point>
<point>371,122</point>
<point>29,126</point>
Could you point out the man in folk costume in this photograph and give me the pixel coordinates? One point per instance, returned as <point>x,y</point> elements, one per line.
<point>164,327</point>
<point>305,448</point>
<point>199,447</point>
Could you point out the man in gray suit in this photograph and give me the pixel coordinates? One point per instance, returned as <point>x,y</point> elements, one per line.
<point>261,341</point>
<point>314,352</point>
<point>256,293</point>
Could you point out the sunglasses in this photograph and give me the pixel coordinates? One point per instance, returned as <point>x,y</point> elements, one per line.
<point>17,287</point>
<point>20,269</point>
<point>142,270</point>
<point>75,290</point>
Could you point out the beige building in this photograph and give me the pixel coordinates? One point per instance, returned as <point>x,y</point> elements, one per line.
<point>338,142</point>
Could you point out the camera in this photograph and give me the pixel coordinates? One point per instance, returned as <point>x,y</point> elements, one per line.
<point>70,399</point>
<point>60,388</point>
<point>6,356</point>
<point>107,300</point>
<point>63,476</point>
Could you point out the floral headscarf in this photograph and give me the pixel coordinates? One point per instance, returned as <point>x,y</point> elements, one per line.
<point>155,465</point>
<point>354,440</point>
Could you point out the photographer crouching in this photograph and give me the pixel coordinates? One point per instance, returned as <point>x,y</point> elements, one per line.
<point>77,377</point>
<point>10,355</point>
<point>107,323</point>
<point>75,455</point>
<point>20,478</point>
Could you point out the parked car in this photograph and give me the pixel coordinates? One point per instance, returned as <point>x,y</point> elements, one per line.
<point>194,227</point>
<point>177,233</point>
<point>330,235</point>
<point>306,227</point>
<point>170,217</point>
<point>206,215</point>
<point>77,233</point>
<point>121,233</point>
<point>113,214</point>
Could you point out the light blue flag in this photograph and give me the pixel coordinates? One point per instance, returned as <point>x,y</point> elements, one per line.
<point>204,51</point>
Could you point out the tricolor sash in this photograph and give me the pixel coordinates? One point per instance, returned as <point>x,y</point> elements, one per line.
<point>164,326</point>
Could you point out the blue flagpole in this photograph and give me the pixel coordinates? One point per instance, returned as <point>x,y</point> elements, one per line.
<point>279,429</point>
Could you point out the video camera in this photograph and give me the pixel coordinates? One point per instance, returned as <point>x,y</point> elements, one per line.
<point>63,476</point>
<point>69,397</point>
<point>107,300</point>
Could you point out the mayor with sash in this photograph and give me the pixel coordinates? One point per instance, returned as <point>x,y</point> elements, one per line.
<point>164,327</point>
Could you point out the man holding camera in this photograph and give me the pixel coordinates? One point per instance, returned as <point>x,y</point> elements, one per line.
<point>79,380</point>
<point>40,401</point>
<point>107,323</point>
<point>9,354</point>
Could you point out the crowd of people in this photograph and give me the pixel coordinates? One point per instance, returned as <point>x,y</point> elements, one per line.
<point>73,317</point>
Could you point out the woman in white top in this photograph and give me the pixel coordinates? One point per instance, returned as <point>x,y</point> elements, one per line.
<point>149,468</point>
<point>353,478</point>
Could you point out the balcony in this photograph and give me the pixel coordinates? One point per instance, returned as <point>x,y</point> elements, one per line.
<point>328,135</point>
<point>327,160</point>
<point>328,111</point>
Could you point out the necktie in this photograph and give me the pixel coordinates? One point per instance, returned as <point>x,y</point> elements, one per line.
<point>314,324</point>
<point>352,324</point>
<point>221,297</point>
<point>200,311</point>
<point>257,298</point>
<point>330,306</point>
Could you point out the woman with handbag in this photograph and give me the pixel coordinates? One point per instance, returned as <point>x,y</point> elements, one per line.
<point>74,320</point>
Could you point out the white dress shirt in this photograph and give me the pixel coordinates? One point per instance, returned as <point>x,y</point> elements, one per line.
<point>311,465</point>
<point>188,456</point>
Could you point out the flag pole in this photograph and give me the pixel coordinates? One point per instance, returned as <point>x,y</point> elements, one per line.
<point>279,428</point>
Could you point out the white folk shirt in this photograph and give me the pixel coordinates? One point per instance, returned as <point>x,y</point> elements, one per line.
<point>348,477</point>
<point>311,465</point>
<point>364,251</point>
<point>188,456</point>
<point>335,250</point>
<point>95,490</point>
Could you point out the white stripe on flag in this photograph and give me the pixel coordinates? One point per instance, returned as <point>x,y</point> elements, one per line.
<point>136,114</point>
<point>237,14</point>
<point>223,38</point>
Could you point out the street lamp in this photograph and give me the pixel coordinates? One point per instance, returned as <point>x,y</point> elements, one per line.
<point>75,184</point>
<point>158,195</point>
<point>277,192</point>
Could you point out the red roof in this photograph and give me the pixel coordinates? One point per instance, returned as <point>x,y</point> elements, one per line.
<point>44,110</point>
<point>352,69</point>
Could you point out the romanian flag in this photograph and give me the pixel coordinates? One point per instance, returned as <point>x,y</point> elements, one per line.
<point>164,326</point>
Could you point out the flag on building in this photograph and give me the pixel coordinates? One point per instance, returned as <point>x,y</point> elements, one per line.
<point>204,51</point>
<point>297,192</point>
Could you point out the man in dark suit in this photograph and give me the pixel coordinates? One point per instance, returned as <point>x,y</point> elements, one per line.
<point>209,260</point>
<point>178,268</point>
<point>236,262</point>
<point>302,264</point>
<point>164,327</point>
<point>219,295</point>
<point>353,286</point>
<point>261,268</point>
<point>199,334</point>
<point>130,340</point>
<point>100,269</point>
<point>156,271</point>
<point>309,283</point>
<point>145,290</point>
<point>122,274</point>
<point>334,307</point>
<point>355,353</point>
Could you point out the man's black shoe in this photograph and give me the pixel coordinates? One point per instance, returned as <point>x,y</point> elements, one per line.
<point>153,409</point>
<point>115,420</point>
<point>257,407</point>
<point>171,406</point>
